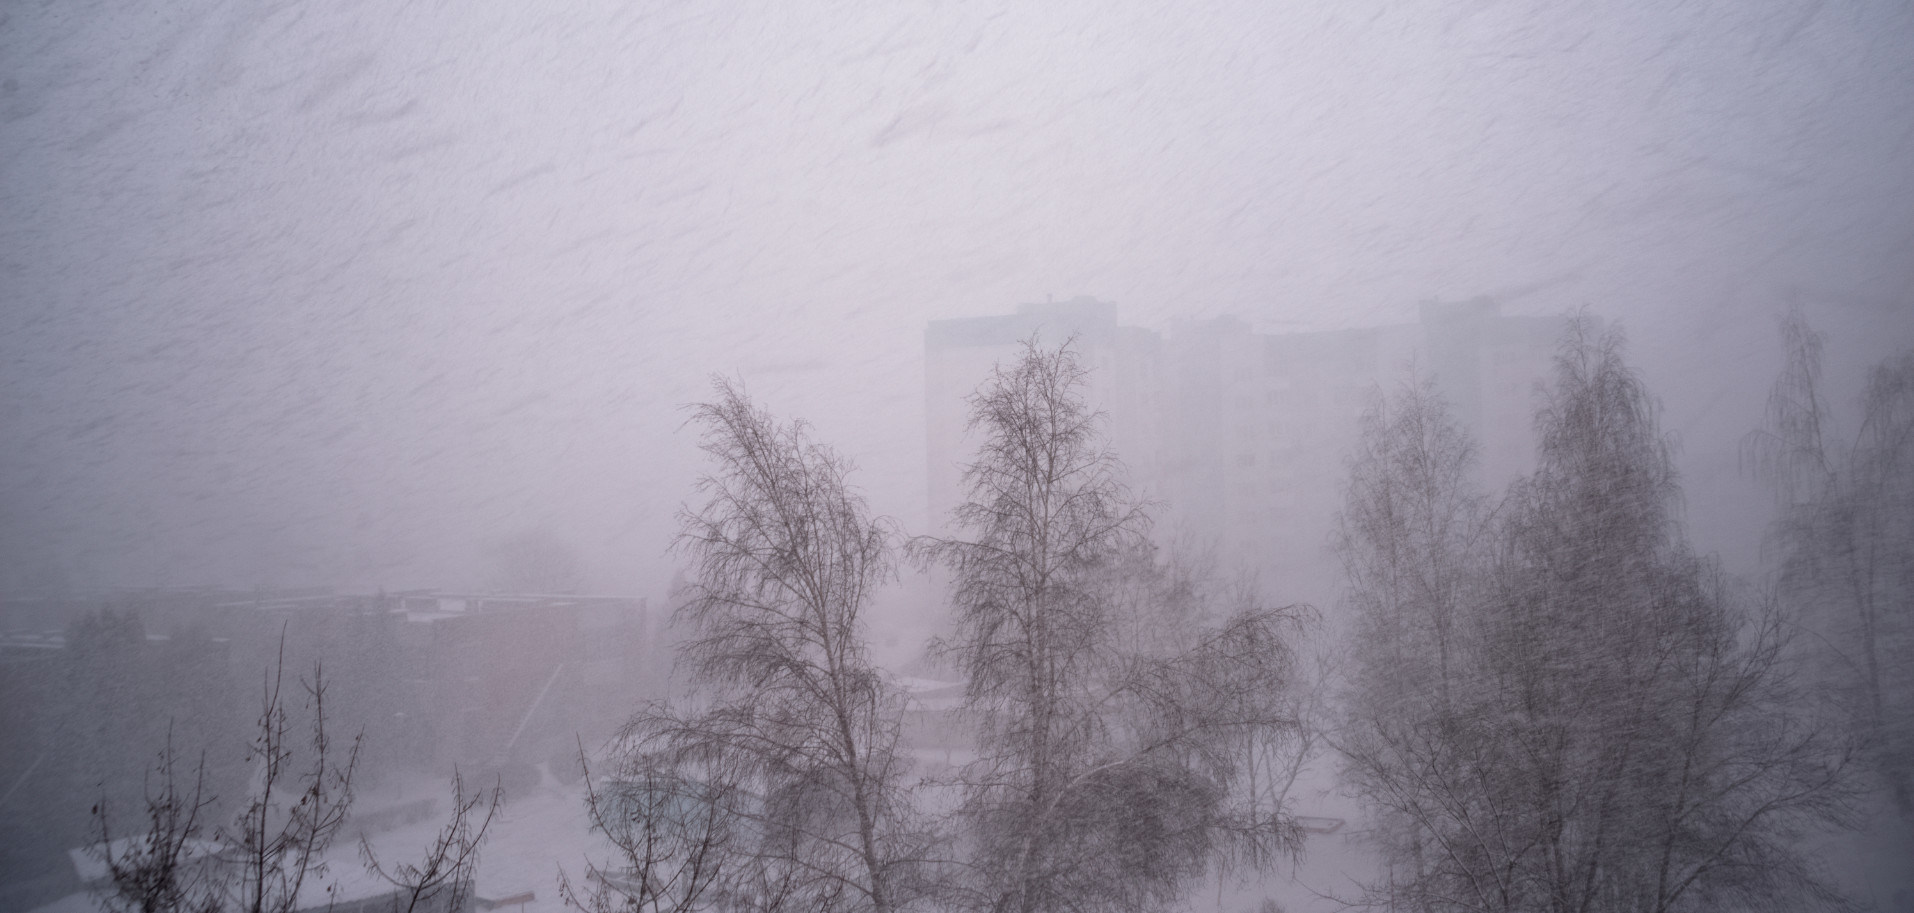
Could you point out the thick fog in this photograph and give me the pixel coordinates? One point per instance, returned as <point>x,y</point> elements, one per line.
<point>376,297</point>
<point>345,295</point>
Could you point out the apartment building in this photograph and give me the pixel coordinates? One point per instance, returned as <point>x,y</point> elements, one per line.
<point>1244,436</point>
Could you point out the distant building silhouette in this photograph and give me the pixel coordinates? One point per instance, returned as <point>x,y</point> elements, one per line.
<point>1245,436</point>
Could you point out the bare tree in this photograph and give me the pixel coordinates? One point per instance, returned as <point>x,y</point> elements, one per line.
<point>1617,731</point>
<point>796,729</point>
<point>690,836</point>
<point>1200,647</point>
<point>1106,775</point>
<point>291,815</point>
<point>277,841</point>
<point>1845,537</point>
<point>163,869</point>
<point>443,877</point>
<point>1410,538</point>
<point>673,839</point>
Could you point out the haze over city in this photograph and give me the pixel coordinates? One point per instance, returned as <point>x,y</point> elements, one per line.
<point>341,296</point>
<point>366,299</point>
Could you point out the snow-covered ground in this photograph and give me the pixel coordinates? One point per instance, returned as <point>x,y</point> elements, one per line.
<point>544,829</point>
<point>534,834</point>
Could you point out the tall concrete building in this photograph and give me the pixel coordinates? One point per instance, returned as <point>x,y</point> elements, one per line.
<point>1244,436</point>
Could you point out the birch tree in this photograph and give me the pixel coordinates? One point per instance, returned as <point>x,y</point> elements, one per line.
<point>1106,775</point>
<point>1411,539</point>
<point>793,726</point>
<point>1845,540</point>
<point>1620,728</point>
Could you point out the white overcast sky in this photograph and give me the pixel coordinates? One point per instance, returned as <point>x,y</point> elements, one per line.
<point>340,293</point>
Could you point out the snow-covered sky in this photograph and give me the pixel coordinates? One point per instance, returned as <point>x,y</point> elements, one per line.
<point>346,293</point>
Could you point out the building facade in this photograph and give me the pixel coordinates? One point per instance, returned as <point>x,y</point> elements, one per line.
<point>1244,437</point>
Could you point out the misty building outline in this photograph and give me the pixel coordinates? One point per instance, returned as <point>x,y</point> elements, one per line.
<point>1244,436</point>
